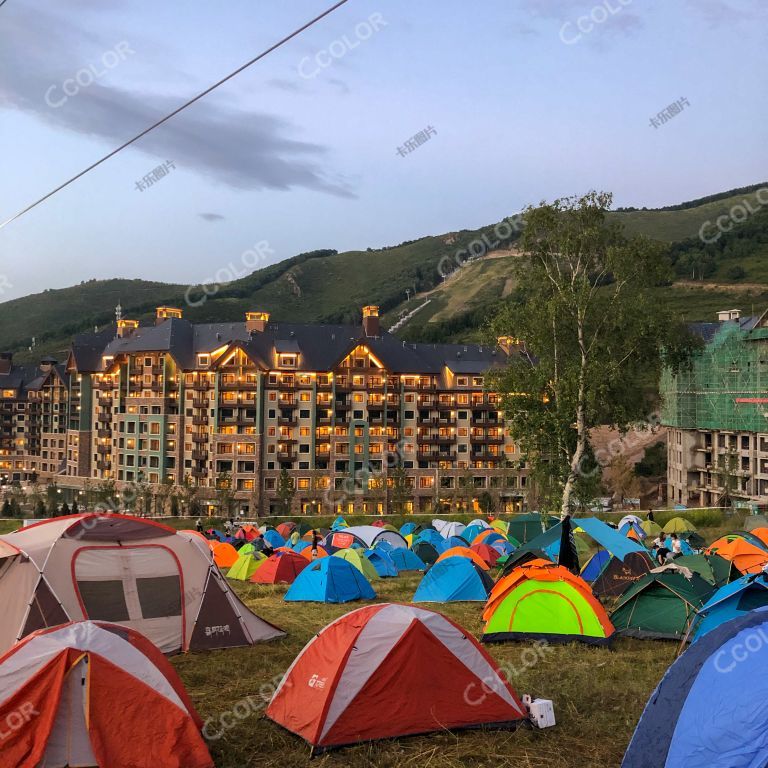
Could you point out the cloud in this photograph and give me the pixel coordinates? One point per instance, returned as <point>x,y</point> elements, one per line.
<point>720,12</point>
<point>211,217</point>
<point>240,147</point>
<point>283,84</point>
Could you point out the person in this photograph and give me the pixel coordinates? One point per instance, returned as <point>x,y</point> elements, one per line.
<point>315,543</point>
<point>677,546</point>
<point>294,537</point>
<point>228,527</point>
<point>199,525</point>
<point>658,542</point>
<point>651,517</point>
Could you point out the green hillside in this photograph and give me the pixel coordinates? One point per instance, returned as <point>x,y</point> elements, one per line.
<point>328,286</point>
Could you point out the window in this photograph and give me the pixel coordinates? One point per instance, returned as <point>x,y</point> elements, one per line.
<point>159,596</point>
<point>462,381</point>
<point>303,484</point>
<point>103,600</point>
<point>304,397</point>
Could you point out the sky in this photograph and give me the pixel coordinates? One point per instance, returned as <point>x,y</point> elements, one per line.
<point>313,147</point>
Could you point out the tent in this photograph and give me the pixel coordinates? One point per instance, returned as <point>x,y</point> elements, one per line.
<point>273,538</point>
<point>650,527</point>
<point>678,525</point>
<point>426,552</point>
<point>357,558</point>
<point>450,542</point>
<point>321,532</point>
<point>453,579</point>
<point>245,565</point>
<point>286,529</point>
<point>224,555</point>
<point>661,604</point>
<point>479,522</point>
<point>471,532</point>
<point>247,532</point>
<point>541,600</point>
<point>307,552</point>
<point>452,529</point>
<point>339,523</point>
<point>464,552</point>
<point>618,574</point>
<point>712,568</point>
<point>406,560</point>
<point>126,570</point>
<point>761,533</point>
<point>438,524</point>
<point>708,710</point>
<point>491,536</point>
<point>410,528</point>
<point>732,600</point>
<point>382,562</point>
<point>629,520</point>
<point>527,527</point>
<point>280,568</point>
<point>429,535</point>
<point>488,554</point>
<point>330,580</point>
<point>366,536</point>
<point>89,694</point>
<point>364,677</point>
<point>591,569</point>
<point>745,556</point>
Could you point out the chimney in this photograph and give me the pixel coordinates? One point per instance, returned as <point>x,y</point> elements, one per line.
<point>371,324</point>
<point>728,314</point>
<point>509,344</point>
<point>256,321</point>
<point>6,362</point>
<point>126,328</point>
<point>166,313</point>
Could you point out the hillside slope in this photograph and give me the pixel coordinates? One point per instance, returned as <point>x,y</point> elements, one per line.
<point>329,286</point>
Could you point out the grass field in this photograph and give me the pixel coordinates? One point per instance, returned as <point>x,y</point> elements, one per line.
<point>598,695</point>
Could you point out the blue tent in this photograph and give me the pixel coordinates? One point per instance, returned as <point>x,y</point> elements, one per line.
<point>453,579</point>
<point>274,539</point>
<point>330,580</point>
<point>471,531</point>
<point>730,601</point>
<point>450,542</point>
<point>494,538</point>
<point>300,546</point>
<point>382,562</point>
<point>639,532</point>
<point>431,536</point>
<point>387,546</point>
<point>708,710</point>
<point>502,546</point>
<point>595,564</point>
<point>406,560</point>
<point>339,524</point>
<point>407,528</point>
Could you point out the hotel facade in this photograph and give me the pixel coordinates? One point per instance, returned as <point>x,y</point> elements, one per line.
<point>358,420</point>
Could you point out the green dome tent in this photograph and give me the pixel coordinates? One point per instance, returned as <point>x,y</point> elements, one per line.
<point>357,558</point>
<point>661,604</point>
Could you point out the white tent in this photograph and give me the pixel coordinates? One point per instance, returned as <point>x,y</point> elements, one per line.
<point>452,529</point>
<point>367,535</point>
<point>125,570</point>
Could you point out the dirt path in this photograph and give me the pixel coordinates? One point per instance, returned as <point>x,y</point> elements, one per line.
<point>738,287</point>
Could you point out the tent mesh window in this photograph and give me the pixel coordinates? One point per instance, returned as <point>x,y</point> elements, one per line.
<point>104,600</point>
<point>159,597</point>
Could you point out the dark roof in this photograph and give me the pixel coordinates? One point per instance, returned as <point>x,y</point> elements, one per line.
<point>31,378</point>
<point>321,346</point>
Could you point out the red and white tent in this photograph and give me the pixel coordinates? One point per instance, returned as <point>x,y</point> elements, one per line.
<point>391,670</point>
<point>94,694</point>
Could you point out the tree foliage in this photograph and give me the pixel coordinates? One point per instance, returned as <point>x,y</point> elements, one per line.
<point>593,339</point>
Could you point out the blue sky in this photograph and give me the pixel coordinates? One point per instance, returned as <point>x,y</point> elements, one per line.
<point>527,104</point>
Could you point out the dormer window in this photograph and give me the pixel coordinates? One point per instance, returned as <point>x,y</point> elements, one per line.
<point>203,360</point>
<point>287,361</point>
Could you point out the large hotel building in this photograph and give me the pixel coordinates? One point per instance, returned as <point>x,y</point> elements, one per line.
<point>354,415</point>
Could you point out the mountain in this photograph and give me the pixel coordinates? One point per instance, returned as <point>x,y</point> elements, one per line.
<point>407,281</point>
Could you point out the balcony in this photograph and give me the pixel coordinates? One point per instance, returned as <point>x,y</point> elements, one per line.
<point>325,385</point>
<point>202,439</point>
<point>200,421</point>
<point>287,421</point>
<point>437,439</point>
<point>200,402</point>
<point>199,471</point>
<point>200,386</point>
<point>104,384</point>
<point>105,401</point>
<point>103,465</point>
<point>104,449</point>
<point>242,386</point>
<point>286,456</point>
<point>155,370</point>
<point>105,418</point>
<point>286,384</point>
<point>198,455</point>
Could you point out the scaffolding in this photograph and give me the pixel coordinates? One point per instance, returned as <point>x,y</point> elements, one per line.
<point>725,387</point>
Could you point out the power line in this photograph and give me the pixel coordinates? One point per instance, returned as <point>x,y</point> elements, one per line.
<point>176,111</point>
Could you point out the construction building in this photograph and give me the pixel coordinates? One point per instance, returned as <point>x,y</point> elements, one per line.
<point>716,411</point>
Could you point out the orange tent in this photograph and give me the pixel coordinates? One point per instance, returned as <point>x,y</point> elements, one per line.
<point>307,552</point>
<point>224,554</point>
<point>762,534</point>
<point>464,552</point>
<point>60,689</point>
<point>747,557</point>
